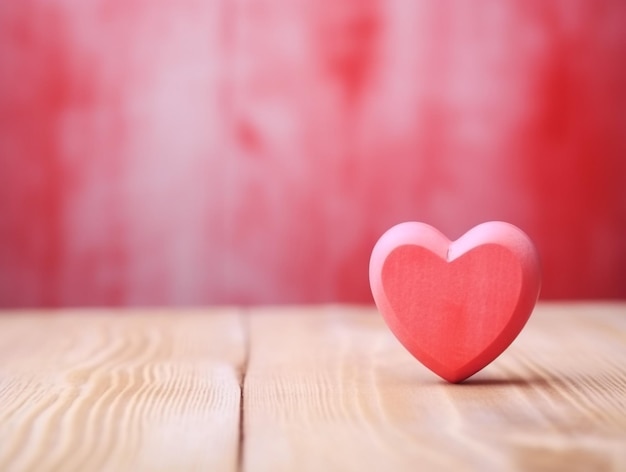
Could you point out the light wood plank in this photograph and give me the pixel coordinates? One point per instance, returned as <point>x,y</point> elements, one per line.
<point>96,390</point>
<point>330,389</point>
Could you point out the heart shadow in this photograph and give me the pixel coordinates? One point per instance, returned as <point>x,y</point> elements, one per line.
<point>503,382</point>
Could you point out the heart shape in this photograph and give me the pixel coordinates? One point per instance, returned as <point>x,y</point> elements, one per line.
<point>455,306</point>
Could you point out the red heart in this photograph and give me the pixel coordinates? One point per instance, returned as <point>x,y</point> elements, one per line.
<point>455,306</point>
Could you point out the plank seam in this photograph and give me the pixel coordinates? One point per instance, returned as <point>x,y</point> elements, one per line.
<point>245,329</point>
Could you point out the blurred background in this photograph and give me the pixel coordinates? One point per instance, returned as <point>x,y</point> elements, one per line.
<point>252,151</point>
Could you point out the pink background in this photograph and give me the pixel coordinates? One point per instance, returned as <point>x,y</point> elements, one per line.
<point>252,151</point>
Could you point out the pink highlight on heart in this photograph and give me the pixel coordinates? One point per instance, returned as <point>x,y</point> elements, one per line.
<point>455,306</point>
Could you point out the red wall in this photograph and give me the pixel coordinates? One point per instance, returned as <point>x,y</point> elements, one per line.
<point>249,151</point>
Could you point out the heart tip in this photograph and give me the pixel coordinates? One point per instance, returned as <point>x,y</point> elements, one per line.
<point>455,379</point>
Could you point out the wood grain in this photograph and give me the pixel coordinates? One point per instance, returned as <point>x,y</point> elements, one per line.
<point>86,391</point>
<point>324,388</point>
<point>331,389</point>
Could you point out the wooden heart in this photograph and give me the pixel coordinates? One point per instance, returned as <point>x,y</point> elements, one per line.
<point>455,306</point>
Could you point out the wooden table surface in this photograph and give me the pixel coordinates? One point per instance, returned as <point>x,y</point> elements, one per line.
<point>303,389</point>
